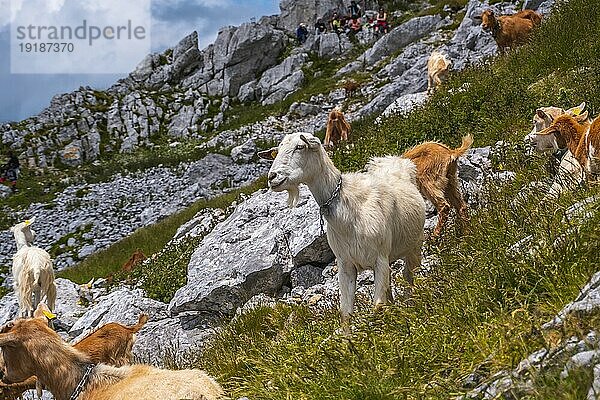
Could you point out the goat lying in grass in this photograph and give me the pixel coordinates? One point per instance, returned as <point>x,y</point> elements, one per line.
<point>373,218</point>
<point>437,178</point>
<point>569,173</point>
<point>337,128</point>
<point>31,348</point>
<point>111,344</point>
<point>510,31</point>
<point>32,271</point>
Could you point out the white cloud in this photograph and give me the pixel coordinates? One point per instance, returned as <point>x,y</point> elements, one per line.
<point>103,55</point>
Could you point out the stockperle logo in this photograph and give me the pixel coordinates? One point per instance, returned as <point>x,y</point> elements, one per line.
<point>79,36</point>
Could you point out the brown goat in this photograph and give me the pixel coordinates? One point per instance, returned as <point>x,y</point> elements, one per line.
<point>508,31</point>
<point>437,178</point>
<point>30,348</point>
<point>338,128</point>
<point>351,87</point>
<point>111,344</point>
<point>531,15</point>
<point>581,139</point>
<point>136,258</point>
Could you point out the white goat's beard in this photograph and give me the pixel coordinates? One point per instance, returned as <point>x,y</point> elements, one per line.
<point>293,196</point>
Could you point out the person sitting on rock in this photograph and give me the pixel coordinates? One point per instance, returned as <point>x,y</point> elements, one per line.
<point>355,26</point>
<point>320,27</point>
<point>336,23</point>
<point>354,10</point>
<point>10,171</point>
<point>381,24</point>
<point>301,33</point>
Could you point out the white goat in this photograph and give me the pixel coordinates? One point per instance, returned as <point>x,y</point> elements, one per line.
<point>570,174</point>
<point>32,270</point>
<point>373,218</point>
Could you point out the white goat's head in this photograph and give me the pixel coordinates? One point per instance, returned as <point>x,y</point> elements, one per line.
<point>24,235</point>
<point>543,118</point>
<point>297,160</point>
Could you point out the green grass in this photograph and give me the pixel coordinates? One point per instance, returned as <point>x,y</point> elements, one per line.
<point>480,308</point>
<point>150,240</point>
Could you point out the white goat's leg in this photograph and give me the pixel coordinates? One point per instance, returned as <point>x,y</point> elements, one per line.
<point>51,295</point>
<point>382,273</point>
<point>411,263</point>
<point>347,282</point>
<point>37,297</point>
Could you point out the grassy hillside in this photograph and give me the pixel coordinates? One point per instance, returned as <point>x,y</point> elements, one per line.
<point>481,306</point>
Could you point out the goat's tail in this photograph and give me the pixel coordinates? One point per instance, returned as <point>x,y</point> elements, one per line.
<point>141,322</point>
<point>467,141</point>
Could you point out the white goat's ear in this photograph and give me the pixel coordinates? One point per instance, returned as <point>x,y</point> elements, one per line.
<point>581,118</point>
<point>268,154</point>
<point>312,143</point>
<point>90,283</point>
<point>574,111</point>
<point>546,117</point>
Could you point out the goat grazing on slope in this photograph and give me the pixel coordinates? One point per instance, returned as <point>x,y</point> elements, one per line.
<point>569,173</point>
<point>351,86</point>
<point>508,31</point>
<point>30,348</point>
<point>580,138</point>
<point>437,178</point>
<point>373,218</point>
<point>337,128</point>
<point>438,67</point>
<point>32,270</point>
<point>111,344</point>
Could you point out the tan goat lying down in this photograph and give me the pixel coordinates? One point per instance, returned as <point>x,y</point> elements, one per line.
<point>437,178</point>
<point>31,348</point>
<point>110,344</point>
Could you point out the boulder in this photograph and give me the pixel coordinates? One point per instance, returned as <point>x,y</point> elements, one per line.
<point>123,306</point>
<point>404,104</point>
<point>252,252</point>
<point>285,78</point>
<point>294,12</point>
<point>302,110</point>
<point>331,45</point>
<point>401,36</point>
<point>244,153</point>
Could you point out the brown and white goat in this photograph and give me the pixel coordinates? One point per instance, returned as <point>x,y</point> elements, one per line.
<point>31,348</point>
<point>438,67</point>
<point>508,31</point>
<point>351,87</point>
<point>338,128</point>
<point>437,178</point>
<point>582,139</point>
<point>110,344</point>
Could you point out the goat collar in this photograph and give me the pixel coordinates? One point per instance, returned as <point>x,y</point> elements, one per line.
<point>83,382</point>
<point>324,209</point>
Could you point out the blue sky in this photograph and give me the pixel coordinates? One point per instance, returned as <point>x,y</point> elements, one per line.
<point>24,95</point>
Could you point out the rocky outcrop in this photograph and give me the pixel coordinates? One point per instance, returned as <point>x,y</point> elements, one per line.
<point>294,12</point>
<point>94,216</point>
<point>252,252</point>
<point>278,82</point>
<point>572,355</point>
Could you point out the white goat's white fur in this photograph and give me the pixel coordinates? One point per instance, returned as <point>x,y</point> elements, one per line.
<point>376,219</point>
<point>33,273</point>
